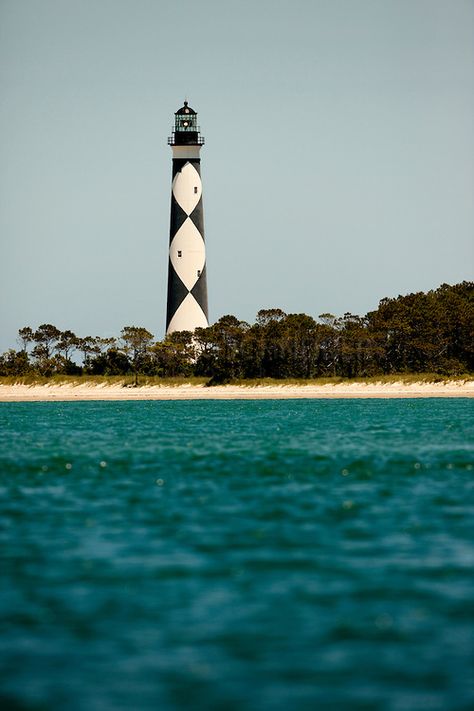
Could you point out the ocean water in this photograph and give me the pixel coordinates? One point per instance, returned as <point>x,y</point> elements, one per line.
<point>250,555</point>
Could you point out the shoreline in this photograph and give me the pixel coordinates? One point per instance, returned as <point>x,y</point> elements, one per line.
<point>88,391</point>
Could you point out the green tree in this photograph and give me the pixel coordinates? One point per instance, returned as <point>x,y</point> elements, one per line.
<point>175,355</point>
<point>88,346</point>
<point>457,322</point>
<point>274,356</point>
<point>252,352</point>
<point>136,343</point>
<point>219,349</point>
<point>111,362</point>
<point>15,363</point>
<point>47,335</point>
<point>67,343</point>
<point>25,337</point>
<point>45,338</point>
<point>353,353</point>
<point>329,335</point>
<point>300,342</point>
<point>266,316</point>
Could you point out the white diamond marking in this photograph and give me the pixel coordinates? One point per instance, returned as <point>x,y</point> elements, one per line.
<point>187,188</point>
<point>188,243</point>
<point>188,316</point>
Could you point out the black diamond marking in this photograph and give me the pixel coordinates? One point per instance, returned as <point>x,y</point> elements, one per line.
<point>177,292</point>
<point>197,216</point>
<point>199,291</point>
<point>178,217</point>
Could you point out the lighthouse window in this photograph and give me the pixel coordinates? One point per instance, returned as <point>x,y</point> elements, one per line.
<point>195,191</point>
<point>180,253</point>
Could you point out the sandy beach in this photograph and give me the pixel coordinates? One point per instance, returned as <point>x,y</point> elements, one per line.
<point>88,391</point>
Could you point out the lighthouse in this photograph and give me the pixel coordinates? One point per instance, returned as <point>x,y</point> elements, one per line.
<point>187,288</point>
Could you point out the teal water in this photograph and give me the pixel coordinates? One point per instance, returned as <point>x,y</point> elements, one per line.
<point>258,555</point>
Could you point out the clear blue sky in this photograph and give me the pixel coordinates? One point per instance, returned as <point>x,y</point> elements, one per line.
<point>338,167</point>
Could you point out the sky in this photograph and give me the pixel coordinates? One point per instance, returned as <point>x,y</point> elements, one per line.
<point>338,167</point>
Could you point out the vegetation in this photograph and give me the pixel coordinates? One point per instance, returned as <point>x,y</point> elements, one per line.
<point>414,334</point>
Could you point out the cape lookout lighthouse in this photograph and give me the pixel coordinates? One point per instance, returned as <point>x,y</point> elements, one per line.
<point>187,288</point>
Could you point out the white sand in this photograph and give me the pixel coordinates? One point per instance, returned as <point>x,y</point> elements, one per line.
<point>88,391</point>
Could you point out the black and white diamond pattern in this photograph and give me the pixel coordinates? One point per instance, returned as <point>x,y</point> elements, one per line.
<point>187,292</point>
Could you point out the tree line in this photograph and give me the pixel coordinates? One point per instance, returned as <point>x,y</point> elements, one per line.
<point>415,333</point>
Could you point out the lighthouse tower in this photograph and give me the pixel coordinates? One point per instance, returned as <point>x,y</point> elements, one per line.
<point>187,288</point>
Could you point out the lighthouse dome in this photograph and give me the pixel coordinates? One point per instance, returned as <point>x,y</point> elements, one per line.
<point>184,110</point>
